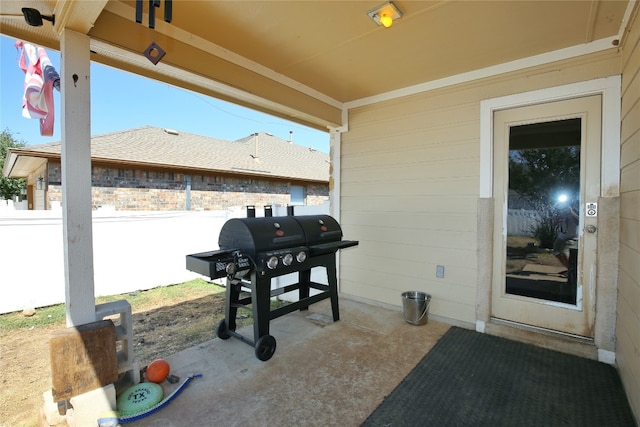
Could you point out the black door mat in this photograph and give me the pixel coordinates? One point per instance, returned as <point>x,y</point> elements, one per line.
<point>474,379</point>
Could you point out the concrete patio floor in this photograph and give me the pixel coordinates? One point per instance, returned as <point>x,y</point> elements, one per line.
<point>323,373</point>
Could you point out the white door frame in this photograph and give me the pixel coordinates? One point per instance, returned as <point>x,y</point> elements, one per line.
<point>609,88</point>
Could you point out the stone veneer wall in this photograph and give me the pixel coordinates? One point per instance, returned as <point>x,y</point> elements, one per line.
<point>163,190</point>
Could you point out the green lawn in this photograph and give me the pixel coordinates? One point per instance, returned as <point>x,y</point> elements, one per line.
<point>139,300</point>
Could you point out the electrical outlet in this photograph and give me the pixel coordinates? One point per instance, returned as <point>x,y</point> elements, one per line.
<point>439,271</point>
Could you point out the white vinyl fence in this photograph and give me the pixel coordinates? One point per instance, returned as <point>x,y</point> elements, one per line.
<point>12,205</point>
<point>131,250</point>
<point>521,222</point>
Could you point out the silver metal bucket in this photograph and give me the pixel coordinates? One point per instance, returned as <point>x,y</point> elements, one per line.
<point>415,307</point>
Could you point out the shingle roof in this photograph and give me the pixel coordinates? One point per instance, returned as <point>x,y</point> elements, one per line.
<point>257,154</point>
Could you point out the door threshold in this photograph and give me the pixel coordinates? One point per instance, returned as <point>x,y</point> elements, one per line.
<point>545,338</point>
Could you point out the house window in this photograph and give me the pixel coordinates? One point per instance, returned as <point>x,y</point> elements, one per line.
<point>298,195</point>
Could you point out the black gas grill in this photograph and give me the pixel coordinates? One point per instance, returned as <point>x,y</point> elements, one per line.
<point>255,250</point>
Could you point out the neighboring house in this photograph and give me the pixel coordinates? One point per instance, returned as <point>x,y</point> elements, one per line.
<point>150,168</point>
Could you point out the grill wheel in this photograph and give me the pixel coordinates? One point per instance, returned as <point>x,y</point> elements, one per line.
<point>222,330</point>
<point>265,347</point>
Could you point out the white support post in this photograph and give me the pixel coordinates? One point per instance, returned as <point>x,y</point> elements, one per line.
<point>335,141</point>
<point>76,177</point>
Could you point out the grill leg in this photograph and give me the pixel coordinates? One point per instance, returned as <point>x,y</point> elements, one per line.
<point>304,278</point>
<point>261,306</point>
<point>333,287</point>
<point>231,307</point>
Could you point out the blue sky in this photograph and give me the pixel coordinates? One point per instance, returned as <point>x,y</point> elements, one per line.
<point>121,101</point>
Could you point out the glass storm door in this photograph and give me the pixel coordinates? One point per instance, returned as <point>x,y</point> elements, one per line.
<point>546,185</point>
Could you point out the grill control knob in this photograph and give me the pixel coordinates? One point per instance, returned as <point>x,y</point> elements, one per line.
<point>301,257</point>
<point>272,262</point>
<point>287,259</point>
<point>231,269</point>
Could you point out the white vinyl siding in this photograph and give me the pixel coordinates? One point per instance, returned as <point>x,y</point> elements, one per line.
<point>628,308</point>
<point>410,186</point>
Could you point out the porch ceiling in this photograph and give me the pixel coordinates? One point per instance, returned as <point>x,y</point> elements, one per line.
<point>302,60</point>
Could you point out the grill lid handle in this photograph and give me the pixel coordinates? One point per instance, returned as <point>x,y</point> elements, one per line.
<point>336,234</point>
<point>285,239</point>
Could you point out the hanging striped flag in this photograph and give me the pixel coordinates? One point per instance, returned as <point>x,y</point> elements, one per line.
<point>40,77</point>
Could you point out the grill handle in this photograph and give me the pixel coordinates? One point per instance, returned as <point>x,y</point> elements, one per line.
<point>335,234</point>
<point>286,239</point>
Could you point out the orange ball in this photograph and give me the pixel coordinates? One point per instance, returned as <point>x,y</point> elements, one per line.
<point>157,371</point>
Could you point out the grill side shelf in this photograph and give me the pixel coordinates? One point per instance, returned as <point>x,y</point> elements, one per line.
<point>325,248</point>
<point>212,264</point>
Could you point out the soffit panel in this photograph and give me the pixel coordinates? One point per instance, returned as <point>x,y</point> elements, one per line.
<point>303,59</point>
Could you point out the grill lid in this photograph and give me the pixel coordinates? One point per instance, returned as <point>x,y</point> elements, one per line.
<point>255,235</point>
<point>252,236</point>
<point>320,229</point>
